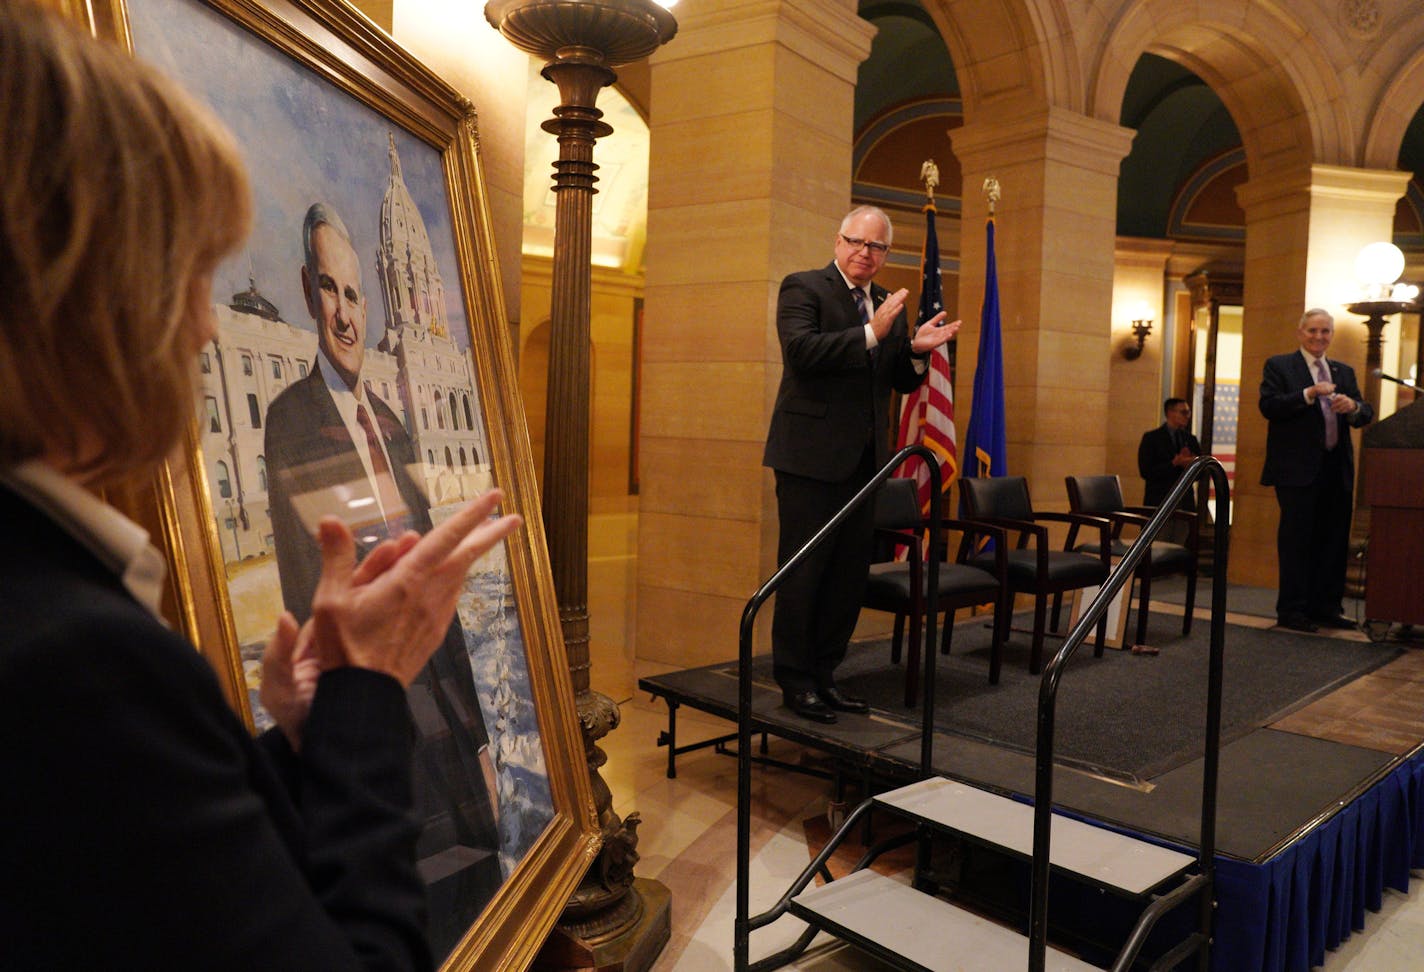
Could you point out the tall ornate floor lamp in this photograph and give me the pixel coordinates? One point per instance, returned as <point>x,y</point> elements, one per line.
<point>1375,313</point>
<point>1378,268</point>
<point>613,921</point>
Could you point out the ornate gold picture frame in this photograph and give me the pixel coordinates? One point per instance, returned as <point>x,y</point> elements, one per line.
<point>329,110</point>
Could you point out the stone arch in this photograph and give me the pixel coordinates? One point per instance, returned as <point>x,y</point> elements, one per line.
<point>1285,98</point>
<point>1008,54</point>
<point>1395,108</point>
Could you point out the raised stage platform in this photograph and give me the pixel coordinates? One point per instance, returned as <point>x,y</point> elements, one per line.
<point>1321,797</point>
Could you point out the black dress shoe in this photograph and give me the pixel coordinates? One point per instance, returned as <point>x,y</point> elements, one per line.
<point>808,705</point>
<point>841,702</point>
<point>1297,622</point>
<point>1335,621</point>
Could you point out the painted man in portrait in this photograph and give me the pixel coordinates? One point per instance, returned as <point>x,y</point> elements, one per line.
<point>333,447</point>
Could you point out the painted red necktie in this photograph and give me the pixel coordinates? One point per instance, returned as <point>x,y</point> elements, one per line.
<point>391,503</point>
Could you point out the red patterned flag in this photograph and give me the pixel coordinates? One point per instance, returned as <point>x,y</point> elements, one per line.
<point>927,415</point>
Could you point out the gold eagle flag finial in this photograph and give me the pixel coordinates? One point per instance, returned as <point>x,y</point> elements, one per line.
<point>991,193</point>
<point>929,175</point>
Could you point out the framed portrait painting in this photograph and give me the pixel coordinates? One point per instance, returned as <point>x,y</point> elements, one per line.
<point>362,369</point>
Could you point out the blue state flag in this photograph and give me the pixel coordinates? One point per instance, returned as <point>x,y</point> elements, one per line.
<point>985,451</point>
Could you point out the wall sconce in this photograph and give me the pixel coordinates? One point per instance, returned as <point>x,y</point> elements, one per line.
<point>1141,328</point>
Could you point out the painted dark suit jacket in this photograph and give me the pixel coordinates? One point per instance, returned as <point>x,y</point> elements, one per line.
<point>144,828</point>
<point>831,399</point>
<point>1295,437</point>
<point>309,453</point>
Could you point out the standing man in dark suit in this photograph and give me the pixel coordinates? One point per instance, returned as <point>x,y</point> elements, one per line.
<point>333,447</point>
<point>1311,405</point>
<point>1166,450</point>
<point>845,344</point>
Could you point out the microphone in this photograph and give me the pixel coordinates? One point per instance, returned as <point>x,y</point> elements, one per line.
<point>1401,381</point>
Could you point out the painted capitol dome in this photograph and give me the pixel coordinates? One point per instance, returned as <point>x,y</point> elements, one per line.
<point>410,281</point>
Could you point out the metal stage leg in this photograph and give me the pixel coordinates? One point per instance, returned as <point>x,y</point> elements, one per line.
<point>668,738</point>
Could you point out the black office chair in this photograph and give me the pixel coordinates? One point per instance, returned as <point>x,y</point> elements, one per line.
<point>1003,501</point>
<point>1101,496</point>
<point>900,587</point>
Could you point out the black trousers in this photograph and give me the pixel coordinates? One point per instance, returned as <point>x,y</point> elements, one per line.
<point>1313,542</point>
<point>818,603</point>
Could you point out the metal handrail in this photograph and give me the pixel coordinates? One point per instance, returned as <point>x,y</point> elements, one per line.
<point>1048,688</point>
<point>1048,694</point>
<point>742,927</point>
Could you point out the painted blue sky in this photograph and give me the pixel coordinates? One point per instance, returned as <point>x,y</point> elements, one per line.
<point>304,141</point>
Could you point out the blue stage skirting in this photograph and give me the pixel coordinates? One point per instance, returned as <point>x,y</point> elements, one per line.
<point>1282,915</point>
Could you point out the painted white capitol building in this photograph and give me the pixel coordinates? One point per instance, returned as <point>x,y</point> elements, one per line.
<point>417,369</point>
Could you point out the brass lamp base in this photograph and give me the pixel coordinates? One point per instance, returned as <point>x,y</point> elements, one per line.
<point>631,950</point>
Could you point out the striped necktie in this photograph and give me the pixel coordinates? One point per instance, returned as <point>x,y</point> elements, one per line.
<point>862,304</point>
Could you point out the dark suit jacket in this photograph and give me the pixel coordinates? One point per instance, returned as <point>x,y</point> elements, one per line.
<point>833,398</point>
<point>1295,437</point>
<point>309,452</point>
<point>145,829</point>
<point>1154,462</point>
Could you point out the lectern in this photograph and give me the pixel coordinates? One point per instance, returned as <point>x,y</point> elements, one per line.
<point>1393,460</point>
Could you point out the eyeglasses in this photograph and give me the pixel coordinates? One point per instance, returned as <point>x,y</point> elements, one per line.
<point>855,243</point>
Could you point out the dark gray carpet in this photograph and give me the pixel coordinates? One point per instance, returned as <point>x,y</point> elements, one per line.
<point>1258,602</point>
<point>1123,715</point>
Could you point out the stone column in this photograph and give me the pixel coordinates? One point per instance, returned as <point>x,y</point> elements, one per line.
<point>1054,241</point>
<point>752,113</point>
<point>1303,229</point>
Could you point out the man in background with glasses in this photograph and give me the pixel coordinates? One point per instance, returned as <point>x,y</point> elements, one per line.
<point>1162,455</point>
<point>845,345</point>
<point>1166,450</point>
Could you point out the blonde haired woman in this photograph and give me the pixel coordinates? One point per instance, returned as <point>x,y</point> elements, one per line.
<point>142,827</point>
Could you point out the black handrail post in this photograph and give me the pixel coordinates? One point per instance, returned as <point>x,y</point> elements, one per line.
<point>1211,758</point>
<point>929,650</point>
<point>1048,696</point>
<point>741,929</point>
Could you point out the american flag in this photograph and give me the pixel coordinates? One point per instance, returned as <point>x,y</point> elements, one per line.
<point>927,415</point>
